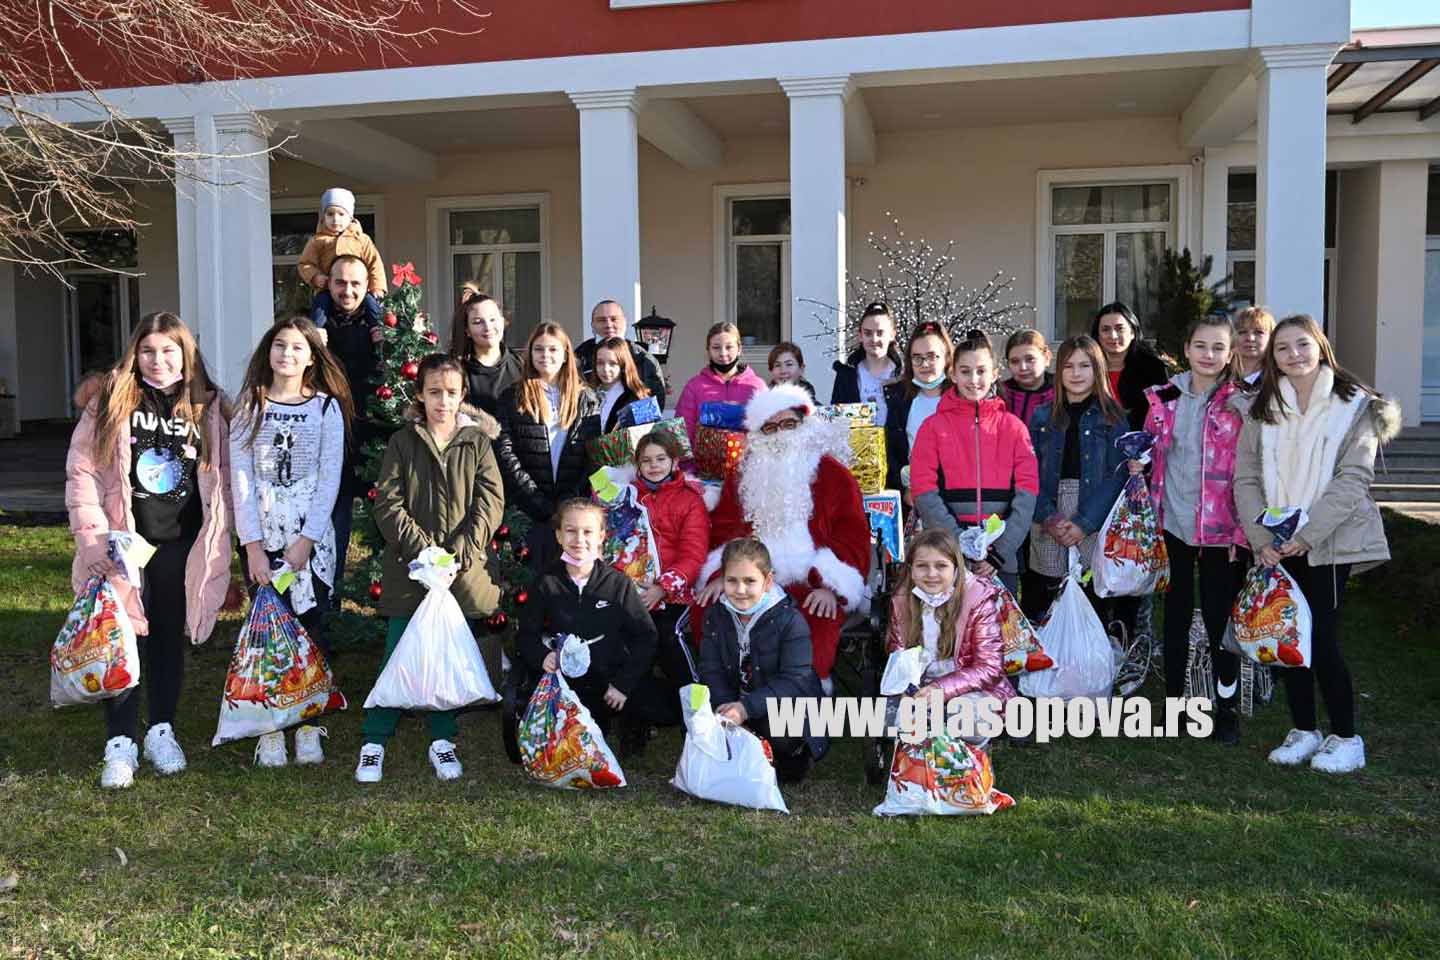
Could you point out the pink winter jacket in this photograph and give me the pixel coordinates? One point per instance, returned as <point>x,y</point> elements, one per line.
<point>1216,523</point>
<point>98,500</point>
<point>706,386</point>
<point>979,647</point>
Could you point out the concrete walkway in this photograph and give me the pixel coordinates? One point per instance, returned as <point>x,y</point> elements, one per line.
<point>32,468</point>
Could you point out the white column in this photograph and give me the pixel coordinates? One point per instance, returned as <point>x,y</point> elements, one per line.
<point>245,284</point>
<point>609,200</point>
<point>1290,169</point>
<point>1214,221</point>
<point>817,216</point>
<point>1400,283</point>
<point>197,227</point>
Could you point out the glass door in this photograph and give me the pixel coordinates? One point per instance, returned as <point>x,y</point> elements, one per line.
<point>97,323</point>
<point>1430,375</point>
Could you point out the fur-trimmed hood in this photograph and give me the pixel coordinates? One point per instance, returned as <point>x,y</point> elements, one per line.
<point>468,416</point>
<point>1385,413</point>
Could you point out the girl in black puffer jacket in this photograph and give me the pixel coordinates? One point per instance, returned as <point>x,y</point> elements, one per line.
<point>545,422</point>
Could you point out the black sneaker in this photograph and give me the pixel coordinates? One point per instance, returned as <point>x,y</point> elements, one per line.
<point>1227,726</point>
<point>633,741</point>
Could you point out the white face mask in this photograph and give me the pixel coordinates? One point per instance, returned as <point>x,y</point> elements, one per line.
<point>933,600</point>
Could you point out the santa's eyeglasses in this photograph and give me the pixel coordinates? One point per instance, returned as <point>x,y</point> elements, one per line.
<point>773,428</point>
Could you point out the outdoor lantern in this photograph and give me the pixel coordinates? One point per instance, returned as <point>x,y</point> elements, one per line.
<point>655,332</point>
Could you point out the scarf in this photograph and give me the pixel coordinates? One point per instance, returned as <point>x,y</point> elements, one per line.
<point>1302,448</point>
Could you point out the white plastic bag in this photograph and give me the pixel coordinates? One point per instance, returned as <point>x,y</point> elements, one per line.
<point>574,654</point>
<point>721,761</point>
<point>437,664</point>
<point>903,672</point>
<point>1085,658</point>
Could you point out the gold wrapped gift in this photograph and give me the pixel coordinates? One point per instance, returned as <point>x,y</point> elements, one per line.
<point>867,458</point>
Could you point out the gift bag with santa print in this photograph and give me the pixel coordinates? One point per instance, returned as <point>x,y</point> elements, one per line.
<point>941,776</point>
<point>561,745</point>
<point>95,656</point>
<point>277,676</point>
<point>721,761</point>
<point>629,538</point>
<point>1022,650</point>
<point>1130,559</point>
<point>1271,617</point>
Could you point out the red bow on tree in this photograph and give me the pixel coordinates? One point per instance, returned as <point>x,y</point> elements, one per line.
<point>404,273</point>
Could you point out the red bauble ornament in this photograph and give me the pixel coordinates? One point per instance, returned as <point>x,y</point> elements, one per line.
<point>384,392</point>
<point>375,590</point>
<point>496,621</point>
<point>372,494</point>
<point>522,597</point>
<point>494,546</point>
<point>503,533</point>
<point>410,370</point>
<point>522,554</point>
<point>391,320</point>
<point>432,337</point>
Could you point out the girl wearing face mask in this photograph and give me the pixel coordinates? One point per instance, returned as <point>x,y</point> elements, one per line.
<point>873,365</point>
<point>478,342</point>
<point>1310,441</point>
<point>615,380</point>
<point>151,456</point>
<point>756,647</point>
<point>1133,366</point>
<point>725,377</point>
<point>973,458</point>
<point>545,422</point>
<point>1196,420</point>
<point>953,616</point>
<point>1253,327</point>
<point>1030,386</point>
<point>911,400</point>
<point>1081,469</point>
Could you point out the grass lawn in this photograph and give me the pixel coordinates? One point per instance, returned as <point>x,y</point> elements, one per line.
<point>1165,849</point>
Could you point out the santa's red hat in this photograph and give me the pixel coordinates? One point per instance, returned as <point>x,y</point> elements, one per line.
<point>777,399</point>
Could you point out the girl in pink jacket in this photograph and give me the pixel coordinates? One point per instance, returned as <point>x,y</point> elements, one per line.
<point>954,617</point>
<point>150,456</point>
<point>724,378</point>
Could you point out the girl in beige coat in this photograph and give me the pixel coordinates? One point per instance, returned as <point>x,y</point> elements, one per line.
<point>1310,442</point>
<point>150,456</point>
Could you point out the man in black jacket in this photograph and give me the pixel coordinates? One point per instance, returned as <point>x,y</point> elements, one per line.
<point>351,336</point>
<point>608,320</point>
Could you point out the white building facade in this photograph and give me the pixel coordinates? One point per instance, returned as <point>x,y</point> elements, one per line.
<point>657,162</point>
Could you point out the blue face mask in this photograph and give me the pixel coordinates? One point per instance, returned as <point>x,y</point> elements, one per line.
<point>772,596</point>
<point>928,384</point>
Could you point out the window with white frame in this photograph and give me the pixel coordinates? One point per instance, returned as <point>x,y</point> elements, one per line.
<point>1240,233</point>
<point>755,248</point>
<point>498,243</point>
<point>292,224</point>
<point>1105,241</point>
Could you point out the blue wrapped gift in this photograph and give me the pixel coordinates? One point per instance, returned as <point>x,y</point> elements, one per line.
<point>887,522</point>
<point>639,412</point>
<point>722,414</point>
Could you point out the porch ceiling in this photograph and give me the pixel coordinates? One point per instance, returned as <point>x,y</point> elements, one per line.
<point>1387,72</point>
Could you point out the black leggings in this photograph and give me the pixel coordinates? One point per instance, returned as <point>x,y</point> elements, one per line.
<point>1324,589</point>
<point>162,653</point>
<point>1220,582</point>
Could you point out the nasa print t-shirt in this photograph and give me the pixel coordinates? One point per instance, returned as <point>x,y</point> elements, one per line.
<point>164,454</point>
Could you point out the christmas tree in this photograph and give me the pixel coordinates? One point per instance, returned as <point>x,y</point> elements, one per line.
<point>917,282</point>
<point>407,340</point>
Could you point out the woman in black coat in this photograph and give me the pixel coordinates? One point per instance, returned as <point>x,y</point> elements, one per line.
<point>1132,364</point>
<point>546,422</point>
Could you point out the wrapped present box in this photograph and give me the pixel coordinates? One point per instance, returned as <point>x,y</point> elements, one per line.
<point>722,414</point>
<point>859,414</point>
<point>617,448</point>
<point>867,458</point>
<point>640,412</point>
<point>886,522</point>
<point>718,452</point>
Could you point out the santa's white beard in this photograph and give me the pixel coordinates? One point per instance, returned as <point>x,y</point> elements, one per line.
<point>775,494</point>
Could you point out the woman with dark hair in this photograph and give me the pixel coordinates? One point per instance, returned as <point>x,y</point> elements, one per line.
<point>1133,366</point>
<point>478,341</point>
<point>871,366</point>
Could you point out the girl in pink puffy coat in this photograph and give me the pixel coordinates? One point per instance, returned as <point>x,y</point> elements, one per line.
<point>724,378</point>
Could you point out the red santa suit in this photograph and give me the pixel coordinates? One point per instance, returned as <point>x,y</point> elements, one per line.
<point>795,494</point>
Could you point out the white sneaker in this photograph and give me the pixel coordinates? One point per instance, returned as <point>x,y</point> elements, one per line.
<point>372,764</point>
<point>443,759</point>
<point>122,759</point>
<point>307,745</point>
<point>270,750</point>
<point>1339,755</point>
<point>1299,746</point>
<point>163,751</point>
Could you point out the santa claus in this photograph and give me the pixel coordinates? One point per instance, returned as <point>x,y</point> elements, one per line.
<point>793,491</point>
